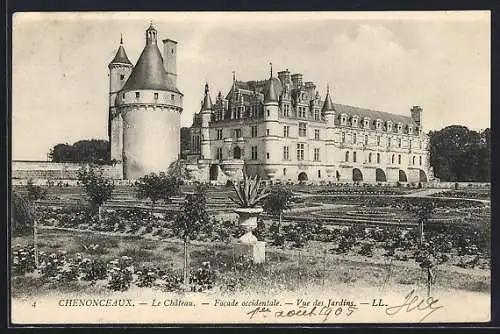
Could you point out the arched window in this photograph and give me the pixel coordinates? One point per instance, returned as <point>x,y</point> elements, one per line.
<point>369,157</point>
<point>392,160</point>
<point>353,156</point>
<point>347,156</point>
<point>378,158</point>
<point>399,159</point>
<point>413,162</point>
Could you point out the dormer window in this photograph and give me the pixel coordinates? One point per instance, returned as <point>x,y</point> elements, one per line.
<point>400,127</point>
<point>378,124</point>
<point>410,129</point>
<point>343,119</point>
<point>355,121</point>
<point>389,126</point>
<point>366,123</point>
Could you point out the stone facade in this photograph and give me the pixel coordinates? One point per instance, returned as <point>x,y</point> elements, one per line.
<point>283,130</point>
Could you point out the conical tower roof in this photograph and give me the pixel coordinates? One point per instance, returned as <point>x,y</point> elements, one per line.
<point>207,101</point>
<point>270,92</point>
<point>149,72</point>
<point>121,56</point>
<point>328,104</point>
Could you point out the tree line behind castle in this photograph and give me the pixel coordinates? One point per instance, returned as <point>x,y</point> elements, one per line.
<point>456,153</point>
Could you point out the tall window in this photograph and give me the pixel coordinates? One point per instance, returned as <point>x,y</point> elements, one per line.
<point>284,171</point>
<point>237,133</point>
<point>302,112</point>
<point>413,161</point>
<point>219,133</point>
<point>353,156</point>
<point>389,142</point>
<point>319,173</point>
<point>399,142</point>
<point>369,157</point>
<point>300,152</point>
<point>347,156</point>
<point>366,139</point>
<point>267,155</point>
<point>286,153</point>
<point>316,114</point>
<point>268,131</point>
<point>302,129</point>
<point>420,160</point>
<point>392,159</point>
<point>316,154</point>
<point>219,153</point>
<point>378,140</point>
<point>254,152</point>
<point>286,109</point>
<point>378,158</point>
<point>399,159</point>
<point>354,138</point>
<point>137,95</point>
<point>254,130</point>
<point>316,134</point>
<point>286,131</point>
<point>343,137</point>
<point>156,96</point>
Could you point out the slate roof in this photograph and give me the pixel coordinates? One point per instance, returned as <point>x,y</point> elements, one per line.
<point>270,93</point>
<point>372,114</point>
<point>149,72</point>
<point>121,57</point>
<point>207,101</point>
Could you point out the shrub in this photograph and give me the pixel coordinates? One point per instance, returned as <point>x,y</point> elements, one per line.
<point>203,278</point>
<point>92,269</point>
<point>23,260</point>
<point>366,249</point>
<point>120,274</point>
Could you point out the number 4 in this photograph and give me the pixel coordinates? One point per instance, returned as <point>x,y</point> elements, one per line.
<point>34,304</point>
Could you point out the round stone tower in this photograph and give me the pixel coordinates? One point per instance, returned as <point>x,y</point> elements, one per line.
<point>150,105</point>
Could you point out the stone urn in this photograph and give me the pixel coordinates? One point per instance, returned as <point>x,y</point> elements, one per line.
<point>248,244</point>
<point>248,220</point>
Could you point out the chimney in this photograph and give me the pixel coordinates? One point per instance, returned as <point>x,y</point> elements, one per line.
<point>170,59</point>
<point>297,80</point>
<point>416,114</point>
<point>284,76</point>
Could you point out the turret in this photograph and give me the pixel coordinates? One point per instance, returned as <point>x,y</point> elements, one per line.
<point>206,116</point>
<point>170,59</point>
<point>328,109</point>
<point>150,105</point>
<point>119,71</point>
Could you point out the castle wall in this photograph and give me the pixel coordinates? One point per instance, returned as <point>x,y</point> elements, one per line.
<point>43,171</point>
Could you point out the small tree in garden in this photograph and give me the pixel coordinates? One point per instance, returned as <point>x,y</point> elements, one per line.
<point>97,186</point>
<point>178,171</point>
<point>278,200</point>
<point>22,218</point>
<point>423,210</point>
<point>191,220</point>
<point>35,192</point>
<point>157,187</point>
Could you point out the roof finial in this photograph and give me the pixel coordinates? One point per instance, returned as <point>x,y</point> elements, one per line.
<point>234,76</point>
<point>328,88</point>
<point>271,65</point>
<point>121,38</point>
<point>206,87</point>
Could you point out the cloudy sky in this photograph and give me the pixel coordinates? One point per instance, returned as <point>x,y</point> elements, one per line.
<point>385,61</point>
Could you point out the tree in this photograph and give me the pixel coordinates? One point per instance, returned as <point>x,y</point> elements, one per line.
<point>185,141</point>
<point>35,192</point>
<point>460,154</point>
<point>278,200</point>
<point>423,210</point>
<point>95,151</point>
<point>157,187</point>
<point>179,171</point>
<point>98,187</point>
<point>191,220</point>
<point>22,218</point>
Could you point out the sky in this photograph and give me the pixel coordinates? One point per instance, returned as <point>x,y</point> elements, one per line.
<point>388,61</point>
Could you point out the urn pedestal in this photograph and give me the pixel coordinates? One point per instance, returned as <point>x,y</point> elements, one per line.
<point>247,244</point>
